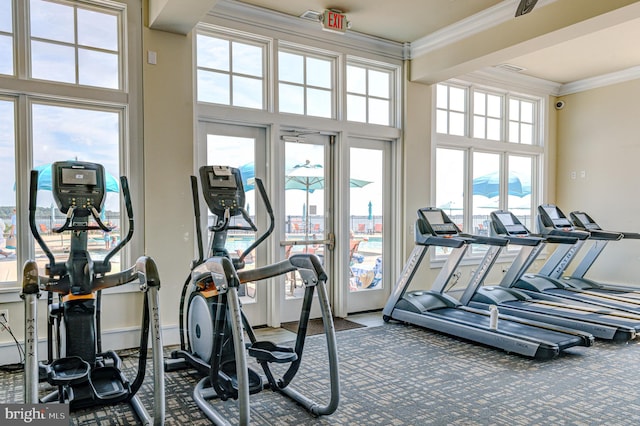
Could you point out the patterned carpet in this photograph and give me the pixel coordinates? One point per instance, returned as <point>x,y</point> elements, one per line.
<point>403,375</point>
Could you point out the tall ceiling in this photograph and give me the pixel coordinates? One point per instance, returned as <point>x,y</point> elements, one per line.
<point>561,41</point>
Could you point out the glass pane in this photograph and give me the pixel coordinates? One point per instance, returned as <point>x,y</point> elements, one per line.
<point>456,124</point>
<point>494,106</point>
<point>366,220</point>
<point>356,80</point>
<point>493,129</point>
<point>442,121</point>
<point>291,67</point>
<point>96,29</point>
<point>6,15</point>
<point>213,87</point>
<point>526,134</point>
<point>247,92</point>
<point>53,62</point>
<point>6,55</point>
<point>8,240</point>
<point>247,59</point>
<point>61,133</point>
<point>213,53</point>
<point>479,127</point>
<point>291,99</point>
<point>52,21</point>
<point>514,132</point>
<point>442,98</point>
<point>98,69</point>
<point>304,204</point>
<point>319,73</point>
<point>379,112</point>
<point>520,199</point>
<point>379,84</point>
<point>357,108</point>
<point>479,101</point>
<point>456,99</point>
<point>486,192</point>
<point>237,152</point>
<point>526,115</point>
<point>450,186</point>
<point>514,110</point>
<point>319,103</point>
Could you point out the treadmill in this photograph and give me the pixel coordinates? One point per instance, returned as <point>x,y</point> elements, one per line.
<point>602,323</point>
<point>601,238</point>
<point>435,310</point>
<point>547,284</point>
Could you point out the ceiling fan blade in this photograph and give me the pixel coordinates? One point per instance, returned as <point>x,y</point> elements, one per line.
<point>525,7</point>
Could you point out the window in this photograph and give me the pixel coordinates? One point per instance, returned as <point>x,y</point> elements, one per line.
<point>521,122</point>
<point>6,37</point>
<point>493,169</point>
<point>369,94</point>
<point>305,84</point>
<point>451,107</point>
<point>77,45</point>
<point>230,72</point>
<point>70,48</point>
<point>487,116</point>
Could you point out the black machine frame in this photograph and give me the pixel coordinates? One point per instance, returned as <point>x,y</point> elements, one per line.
<point>84,374</point>
<point>210,304</point>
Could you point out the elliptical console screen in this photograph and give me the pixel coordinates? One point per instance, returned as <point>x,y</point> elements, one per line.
<point>78,184</point>
<point>222,189</point>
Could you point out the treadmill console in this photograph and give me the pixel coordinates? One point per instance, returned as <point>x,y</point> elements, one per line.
<point>551,217</point>
<point>506,223</point>
<point>79,185</point>
<point>584,221</point>
<point>222,189</point>
<point>437,222</point>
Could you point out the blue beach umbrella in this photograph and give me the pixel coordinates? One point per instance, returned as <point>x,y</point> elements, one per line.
<point>489,185</point>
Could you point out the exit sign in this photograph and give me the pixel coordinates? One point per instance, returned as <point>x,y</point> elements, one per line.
<point>334,21</point>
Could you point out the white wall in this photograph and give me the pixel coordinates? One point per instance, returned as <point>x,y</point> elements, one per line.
<point>599,134</point>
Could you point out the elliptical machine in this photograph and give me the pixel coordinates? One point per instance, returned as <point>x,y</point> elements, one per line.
<point>213,341</point>
<point>84,375</point>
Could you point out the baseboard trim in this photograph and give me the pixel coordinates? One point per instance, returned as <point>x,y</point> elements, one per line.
<point>115,339</point>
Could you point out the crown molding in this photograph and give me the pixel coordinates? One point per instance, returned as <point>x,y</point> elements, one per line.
<point>513,81</point>
<point>632,73</point>
<point>488,18</point>
<point>244,15</point>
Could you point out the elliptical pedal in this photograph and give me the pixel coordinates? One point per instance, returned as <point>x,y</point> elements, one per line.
<point>270,352</point>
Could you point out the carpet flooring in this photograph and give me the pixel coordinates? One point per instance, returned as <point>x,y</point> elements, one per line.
<point>316,326</point>
<point>404,375</point>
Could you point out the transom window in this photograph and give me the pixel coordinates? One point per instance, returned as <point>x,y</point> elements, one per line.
<point>305,84</point>
<point>495,168</point>
<point>6,37</point>
<point>369,93</point>
<point>230,72</point>
<point>73,44</point>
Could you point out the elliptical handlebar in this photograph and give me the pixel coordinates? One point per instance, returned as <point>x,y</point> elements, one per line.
<point>272,220</point>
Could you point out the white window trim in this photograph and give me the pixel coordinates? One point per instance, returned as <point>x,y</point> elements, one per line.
<point>537,150</point>
<point>128,100</point>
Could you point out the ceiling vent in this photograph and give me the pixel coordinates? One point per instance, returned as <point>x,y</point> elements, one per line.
<point>311,15</point>
<point>510,67</point>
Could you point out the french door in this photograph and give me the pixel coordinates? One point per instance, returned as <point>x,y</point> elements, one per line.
<point>242,147</point>
<point>367,272</point>
<point>339,210</point>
